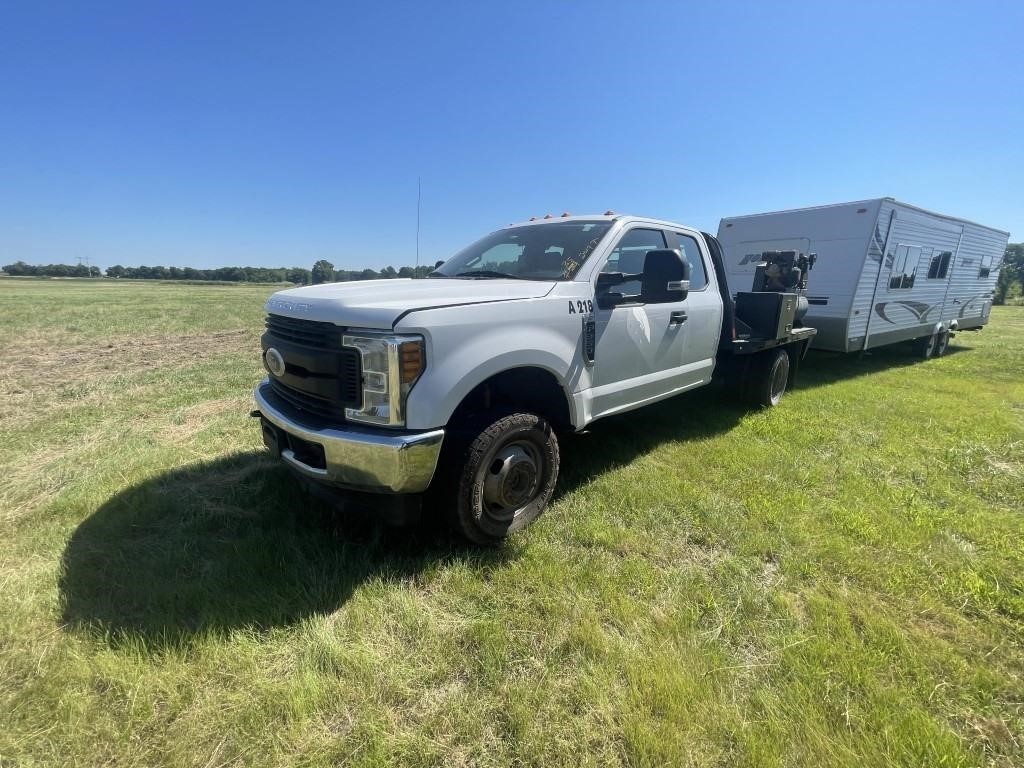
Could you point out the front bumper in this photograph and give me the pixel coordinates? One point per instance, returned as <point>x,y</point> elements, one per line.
<point>362,458</point>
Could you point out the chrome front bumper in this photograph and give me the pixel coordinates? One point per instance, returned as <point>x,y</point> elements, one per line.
<point>356,457</point>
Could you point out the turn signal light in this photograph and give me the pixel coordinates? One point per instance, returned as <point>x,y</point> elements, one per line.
<point>410,361</point>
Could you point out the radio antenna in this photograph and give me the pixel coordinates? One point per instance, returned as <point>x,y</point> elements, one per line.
<point>418,196</point>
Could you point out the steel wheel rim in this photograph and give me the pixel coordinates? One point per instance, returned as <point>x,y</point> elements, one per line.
<point>778,385</point>
<point>512,479</point>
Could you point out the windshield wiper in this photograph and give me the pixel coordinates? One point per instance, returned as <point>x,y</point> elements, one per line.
<point>487,273</point>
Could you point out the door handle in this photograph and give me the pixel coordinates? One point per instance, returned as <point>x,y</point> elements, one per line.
<point>677,318</point>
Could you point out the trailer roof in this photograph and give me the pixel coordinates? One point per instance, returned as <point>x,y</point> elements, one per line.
<point>871,201</point>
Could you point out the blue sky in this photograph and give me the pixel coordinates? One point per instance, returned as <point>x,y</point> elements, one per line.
<point>276,134</point>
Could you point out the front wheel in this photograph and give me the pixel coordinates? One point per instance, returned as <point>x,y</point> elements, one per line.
<point>508,474</point>
<point>942,344</point>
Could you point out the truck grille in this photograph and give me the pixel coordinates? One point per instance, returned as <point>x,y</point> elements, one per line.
<point>322,378</point>
<point>309,333</point>
<point>318,406</point>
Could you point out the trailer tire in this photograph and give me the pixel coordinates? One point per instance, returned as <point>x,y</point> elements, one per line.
<point>925,346</point>
<point>941,344</point>
<point>769,377</point>
<point>506,472</point>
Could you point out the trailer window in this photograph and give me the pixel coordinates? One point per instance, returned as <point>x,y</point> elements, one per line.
<point>691,252</point>
<point>904,266</point>
<point>939,266</point>
<point>986,267</point>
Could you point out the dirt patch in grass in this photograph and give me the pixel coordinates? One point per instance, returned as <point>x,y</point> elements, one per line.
<point>46,375</point>
<point>44,366</point>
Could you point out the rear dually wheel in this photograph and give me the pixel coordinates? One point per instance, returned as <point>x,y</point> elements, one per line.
<point>769,377</point>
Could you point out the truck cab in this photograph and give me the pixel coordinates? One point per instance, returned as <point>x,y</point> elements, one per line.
<point>459,383</point>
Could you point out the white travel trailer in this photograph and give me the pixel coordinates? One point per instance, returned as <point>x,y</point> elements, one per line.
<point>938,273</point>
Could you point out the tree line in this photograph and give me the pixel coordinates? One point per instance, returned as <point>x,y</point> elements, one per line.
<point>322,272</point>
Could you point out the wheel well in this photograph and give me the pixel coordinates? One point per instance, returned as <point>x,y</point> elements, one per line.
<point>529,389</point>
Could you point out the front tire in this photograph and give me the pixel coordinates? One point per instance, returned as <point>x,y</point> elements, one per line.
<point>942,344</point>
<point>508,475</point>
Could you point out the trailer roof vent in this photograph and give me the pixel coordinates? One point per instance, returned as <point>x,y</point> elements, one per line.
<point>565,213</point>
<point>548,216</point>
<point>609,212</point>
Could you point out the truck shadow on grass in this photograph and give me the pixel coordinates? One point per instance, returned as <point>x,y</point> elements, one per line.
<point>233,543</point>
<point>618,440</point>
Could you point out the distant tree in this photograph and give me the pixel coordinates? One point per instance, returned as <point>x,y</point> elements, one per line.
<point>322,272</point>
<point>406,272</point>
<point>389,272</point>
<point>116,271</point>
<point>1011,276</point>
<point>19,269</point>
<point>297,276</point>
<point>368,274</point>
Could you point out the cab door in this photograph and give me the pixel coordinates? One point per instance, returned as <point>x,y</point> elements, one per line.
<point>640,350</point>
<point>703,304</point>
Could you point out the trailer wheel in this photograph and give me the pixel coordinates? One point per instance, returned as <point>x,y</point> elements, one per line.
<point>942,344</point>
<point>769,377</point>
<point>924,347</point>
<point>507,475</point>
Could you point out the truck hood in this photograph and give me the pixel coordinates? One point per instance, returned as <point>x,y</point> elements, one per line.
<point>379,303</point>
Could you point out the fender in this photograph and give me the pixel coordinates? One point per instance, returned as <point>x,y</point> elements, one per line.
<point>533,334</point>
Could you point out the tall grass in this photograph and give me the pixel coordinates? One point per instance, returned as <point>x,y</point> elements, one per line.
<point>837,581</point>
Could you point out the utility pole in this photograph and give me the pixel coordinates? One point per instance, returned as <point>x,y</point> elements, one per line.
<point>419,189</point>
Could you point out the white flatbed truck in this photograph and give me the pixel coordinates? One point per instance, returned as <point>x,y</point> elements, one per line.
<point>458,384</point>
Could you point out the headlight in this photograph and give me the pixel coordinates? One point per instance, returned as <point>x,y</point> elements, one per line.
<point>391,365</point>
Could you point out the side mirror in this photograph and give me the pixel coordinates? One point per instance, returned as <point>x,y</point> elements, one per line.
<point>666,277</point>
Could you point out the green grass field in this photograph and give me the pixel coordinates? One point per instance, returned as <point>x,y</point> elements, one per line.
<point>838,581</point>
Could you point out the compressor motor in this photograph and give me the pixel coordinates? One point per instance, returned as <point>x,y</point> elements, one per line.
<point>776,304</point>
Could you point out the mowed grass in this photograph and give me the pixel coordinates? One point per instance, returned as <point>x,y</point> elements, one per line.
<point>838,581</point>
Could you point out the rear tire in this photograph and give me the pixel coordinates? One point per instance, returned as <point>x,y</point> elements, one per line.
<point>925,346</point>
<point>769,377</point>
<point>508,473</point>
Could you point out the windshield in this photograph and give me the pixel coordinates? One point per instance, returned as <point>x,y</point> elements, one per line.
<point>554,251</point>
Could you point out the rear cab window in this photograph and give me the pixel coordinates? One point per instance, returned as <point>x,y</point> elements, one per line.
<point>690,250</point>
